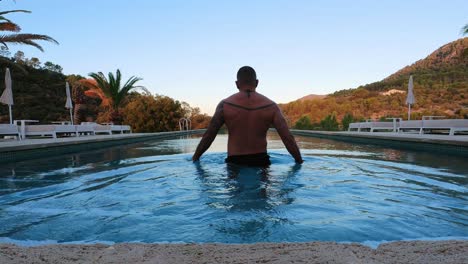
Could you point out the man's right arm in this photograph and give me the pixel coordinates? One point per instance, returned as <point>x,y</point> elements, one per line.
<point>288,139</point>
<point>216,122</point>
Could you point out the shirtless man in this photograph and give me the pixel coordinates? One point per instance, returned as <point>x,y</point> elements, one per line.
<point>248,116</point>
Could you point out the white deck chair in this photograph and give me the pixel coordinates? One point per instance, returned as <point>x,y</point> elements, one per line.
<point>355,127</point>
<point>411,125</point>
<point>49,130</point>
<point>373,126</point>
<point>10,130</point>
<point>85,129</point>
<point>452,125</point>
<point>381,126</point>
<point>110,128</point>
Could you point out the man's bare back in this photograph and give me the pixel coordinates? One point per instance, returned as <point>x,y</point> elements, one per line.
<point>248,115</point>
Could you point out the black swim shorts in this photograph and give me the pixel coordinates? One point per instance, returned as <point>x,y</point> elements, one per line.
<point>254,160</point>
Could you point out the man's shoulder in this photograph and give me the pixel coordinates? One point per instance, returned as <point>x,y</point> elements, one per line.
<point>241,98</point>
<point>265,99</point>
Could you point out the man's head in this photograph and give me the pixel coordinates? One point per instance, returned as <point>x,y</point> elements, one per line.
<point>246,78</point>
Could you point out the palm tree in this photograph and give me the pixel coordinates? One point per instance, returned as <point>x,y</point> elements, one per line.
<point>110,91</point>
<point>17,38</point>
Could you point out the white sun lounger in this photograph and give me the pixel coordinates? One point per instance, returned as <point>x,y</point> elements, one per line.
<point>108,128</point>
<point>48,130</point>
<point>360,126</point>
<point>373,126</point>
<point>10,130</point>
<point>412,125</point>
<point>354,127</point>
<point>450,125</point>
<point>85,129</point>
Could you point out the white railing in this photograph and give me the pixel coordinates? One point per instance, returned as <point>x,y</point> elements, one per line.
<point>185,124</point>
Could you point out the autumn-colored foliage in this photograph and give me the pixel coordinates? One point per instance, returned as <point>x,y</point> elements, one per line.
<point>148,113</point>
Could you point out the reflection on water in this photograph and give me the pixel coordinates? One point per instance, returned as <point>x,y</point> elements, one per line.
<point>152,192</point>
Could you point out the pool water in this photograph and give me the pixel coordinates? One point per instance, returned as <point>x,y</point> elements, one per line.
<point>152,192</point>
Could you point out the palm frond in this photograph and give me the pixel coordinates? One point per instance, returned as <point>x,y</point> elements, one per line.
<point>9,26</point>
<point>111,87</point>
<point>102,82</point>
<point>88,83</point>
<point>127,87</point>
<point>26,39</point>
<point>94,91</point>
<point>15,37</point>
<point>14,11</point>
<point>32,43</point>
<point>130,84</point>
<point>2,18</point>
<point>465,30</point>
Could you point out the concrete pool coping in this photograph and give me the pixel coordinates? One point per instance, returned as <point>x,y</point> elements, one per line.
<point>17,150</point>
<point>452,251</point>
<point>457,145</point>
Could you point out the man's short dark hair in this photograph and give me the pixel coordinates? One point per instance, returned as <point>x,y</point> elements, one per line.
<point>246,75</point>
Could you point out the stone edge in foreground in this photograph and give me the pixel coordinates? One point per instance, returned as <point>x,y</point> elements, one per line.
<point>452,251</point>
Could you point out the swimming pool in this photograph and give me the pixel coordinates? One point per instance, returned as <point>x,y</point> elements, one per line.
<point>152,192</point>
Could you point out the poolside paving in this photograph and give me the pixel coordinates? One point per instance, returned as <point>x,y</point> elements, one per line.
<point>313,252</point>
<point>457,140</point>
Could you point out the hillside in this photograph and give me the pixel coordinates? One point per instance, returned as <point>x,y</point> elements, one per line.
<point>440,87</point>
<point>312,97</point>
<point>38,94</point>
<point>449,56</point>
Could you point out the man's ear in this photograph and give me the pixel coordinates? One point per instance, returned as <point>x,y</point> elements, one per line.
<point>237,85</point>
<point>256,83</point>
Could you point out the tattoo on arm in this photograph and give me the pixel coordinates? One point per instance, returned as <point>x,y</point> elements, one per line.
<point>216,122</point>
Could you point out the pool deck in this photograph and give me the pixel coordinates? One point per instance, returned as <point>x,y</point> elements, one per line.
<point>426,252</point>
<point>457,145</point>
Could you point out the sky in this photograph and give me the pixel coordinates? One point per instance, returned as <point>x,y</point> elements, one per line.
<point>191,50</point>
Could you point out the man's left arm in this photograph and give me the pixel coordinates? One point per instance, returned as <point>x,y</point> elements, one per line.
<point>216,122</point>
<point>288,139</point>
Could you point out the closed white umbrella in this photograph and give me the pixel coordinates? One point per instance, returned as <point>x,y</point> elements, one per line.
<point>7,95</point>
<point>69,104</point>
<point>410,97</point>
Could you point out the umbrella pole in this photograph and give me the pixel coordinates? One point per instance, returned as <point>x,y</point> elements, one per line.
<point>71,115</point>
<point>409,111</point>
<point>11,116</point>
